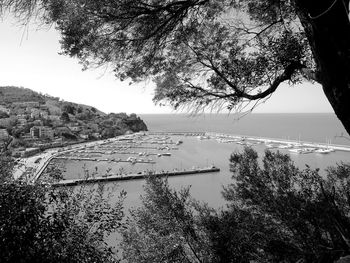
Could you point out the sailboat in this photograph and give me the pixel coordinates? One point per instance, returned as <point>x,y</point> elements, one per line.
<point>325,150</point>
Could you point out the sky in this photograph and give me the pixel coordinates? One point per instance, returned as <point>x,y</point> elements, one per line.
<point>30,59</point>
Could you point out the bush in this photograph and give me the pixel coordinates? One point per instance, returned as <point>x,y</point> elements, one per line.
<point>43,224</point>
<point>276,213</point>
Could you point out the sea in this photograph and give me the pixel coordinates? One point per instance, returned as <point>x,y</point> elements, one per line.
<point>317,128</point>
<point>311,127</point>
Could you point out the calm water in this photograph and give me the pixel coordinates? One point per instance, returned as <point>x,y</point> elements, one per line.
<point>194,152</point>
<point>320,127</point>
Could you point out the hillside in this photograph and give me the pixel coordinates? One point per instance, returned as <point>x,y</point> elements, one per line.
<point>29,119</point>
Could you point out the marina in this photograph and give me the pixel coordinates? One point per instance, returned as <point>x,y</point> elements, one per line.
<point>151,151</point>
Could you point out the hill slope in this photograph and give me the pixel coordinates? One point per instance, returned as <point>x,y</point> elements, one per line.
<point>33,118</point>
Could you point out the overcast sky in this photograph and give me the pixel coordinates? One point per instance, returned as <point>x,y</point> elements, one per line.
<point>29,58</point>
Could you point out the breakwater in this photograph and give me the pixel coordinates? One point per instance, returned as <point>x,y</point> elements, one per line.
<point>101,160</point>
<point>74,182</point>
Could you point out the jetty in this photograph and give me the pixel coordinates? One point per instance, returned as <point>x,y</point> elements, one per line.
<point>101,160</point>
<point>274,142</point>
<point>118,177</point>
<point>179,133</point>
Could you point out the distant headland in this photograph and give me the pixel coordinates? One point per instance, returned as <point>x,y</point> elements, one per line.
<point>31,122</point>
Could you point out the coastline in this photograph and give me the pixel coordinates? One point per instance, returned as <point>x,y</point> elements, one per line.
<point>45,158</point>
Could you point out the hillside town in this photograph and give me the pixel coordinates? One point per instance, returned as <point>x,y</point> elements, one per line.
<point>31,122</point>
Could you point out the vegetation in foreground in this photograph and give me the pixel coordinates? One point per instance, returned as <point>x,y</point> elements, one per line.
<point>41,224</point>
<point>276,213</point>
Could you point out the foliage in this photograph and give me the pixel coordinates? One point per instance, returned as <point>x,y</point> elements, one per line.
<point>207,53</point>
<point>164,229</point>
<point>65,117</point>
<point>276,213</point>
<point>198,52</point>
<point>309,213</point>
<point>3,115</point>
<point>69,108</point>
<point>43,224</point>
<point>6,167</point>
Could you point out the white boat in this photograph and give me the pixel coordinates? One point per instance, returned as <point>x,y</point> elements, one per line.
<point>324,151</point>
<point>270,145</point>
<point>302,150</point>
<point>285,146</point>
<point>308,150</point>
<point>296,150</point>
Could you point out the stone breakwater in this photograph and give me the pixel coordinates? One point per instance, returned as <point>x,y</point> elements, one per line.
<point>74,182</point>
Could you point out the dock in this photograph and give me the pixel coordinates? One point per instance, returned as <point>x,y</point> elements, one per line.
<point>75,182</point>
<point>295,143</point>
<point>101,160</point>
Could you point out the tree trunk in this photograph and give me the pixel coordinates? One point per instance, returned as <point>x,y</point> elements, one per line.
<point>327,27</point>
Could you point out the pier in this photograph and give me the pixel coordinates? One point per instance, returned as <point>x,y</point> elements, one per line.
<point>74,182</point>
<point>294,143</point>
<point>177,133</point>
<point>101,160</point>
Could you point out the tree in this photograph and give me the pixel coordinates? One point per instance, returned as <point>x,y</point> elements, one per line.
<point>42,224</point>
<point>206,53</point>
<point>65,117</point>
<point>276,213</point>
<point>69,108</point>
<point>165,228</point>
<point>303,216</point>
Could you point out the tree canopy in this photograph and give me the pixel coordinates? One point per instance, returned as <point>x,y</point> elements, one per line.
<point>276,213</point>
<point>39,223</point>
<point>206,53</point>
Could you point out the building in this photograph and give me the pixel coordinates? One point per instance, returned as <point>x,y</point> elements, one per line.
<point>34,131</point>
<point>45,132</point>
<point>41,132</point>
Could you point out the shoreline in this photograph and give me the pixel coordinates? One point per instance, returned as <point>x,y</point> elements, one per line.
<point>45,158</point>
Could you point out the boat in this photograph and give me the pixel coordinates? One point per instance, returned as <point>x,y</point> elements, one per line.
<point>302,150</point>
<point>308,150</point>
<point>296,150</point>
<point>324,151</point>
<point>271,146</point>
<point>285,146</point>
